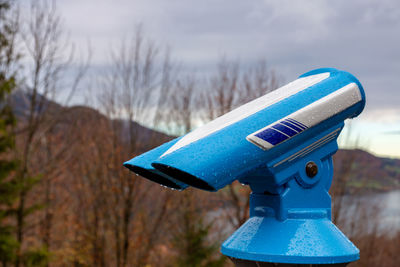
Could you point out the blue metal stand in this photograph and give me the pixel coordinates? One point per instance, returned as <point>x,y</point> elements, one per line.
<point>304,237</point>
<point>290,216</point>
<point>244,263</point>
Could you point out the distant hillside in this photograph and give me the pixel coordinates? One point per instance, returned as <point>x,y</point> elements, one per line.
<point>368,173</point>
<point>143,135</point>
<point>21,104</point>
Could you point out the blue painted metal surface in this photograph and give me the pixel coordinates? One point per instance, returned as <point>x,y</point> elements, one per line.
<point>142,166</point>
<point>290,212</point>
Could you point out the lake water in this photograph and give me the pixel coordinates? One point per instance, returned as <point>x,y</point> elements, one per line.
<point>380,211</point>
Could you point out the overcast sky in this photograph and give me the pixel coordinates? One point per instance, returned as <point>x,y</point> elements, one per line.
<point>360,36</point>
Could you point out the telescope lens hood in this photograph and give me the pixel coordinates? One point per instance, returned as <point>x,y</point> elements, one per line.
<point>184,177</point>
<point>141,165</point>
<point>153,176</point>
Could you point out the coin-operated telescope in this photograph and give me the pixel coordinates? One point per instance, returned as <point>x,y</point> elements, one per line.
<point>281,145</point>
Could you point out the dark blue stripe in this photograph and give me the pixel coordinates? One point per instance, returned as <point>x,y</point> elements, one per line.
<point>272,136</point>
<point>305,126</point>
<point>292,125</point>
<point>284,129</point>
<point>297,123</point>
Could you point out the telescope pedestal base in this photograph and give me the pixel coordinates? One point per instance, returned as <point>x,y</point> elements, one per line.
<point>266,240</point>
<point>245,263</point>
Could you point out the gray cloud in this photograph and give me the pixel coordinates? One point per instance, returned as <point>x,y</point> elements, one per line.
<point>360,36</point>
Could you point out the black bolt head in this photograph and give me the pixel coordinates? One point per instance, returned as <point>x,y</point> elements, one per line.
<point>311,169</point>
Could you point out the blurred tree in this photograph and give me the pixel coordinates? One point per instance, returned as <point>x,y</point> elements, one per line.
<point>9,187</point>
<point>128,88</point>
<point>36,257</point>
<point>47,55</point>
<point>191,236</point>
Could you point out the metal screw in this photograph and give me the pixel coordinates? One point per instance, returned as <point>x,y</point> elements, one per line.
<point>311,169</point>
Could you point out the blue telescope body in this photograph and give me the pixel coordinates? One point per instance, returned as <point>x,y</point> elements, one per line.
<point>281,145</point>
